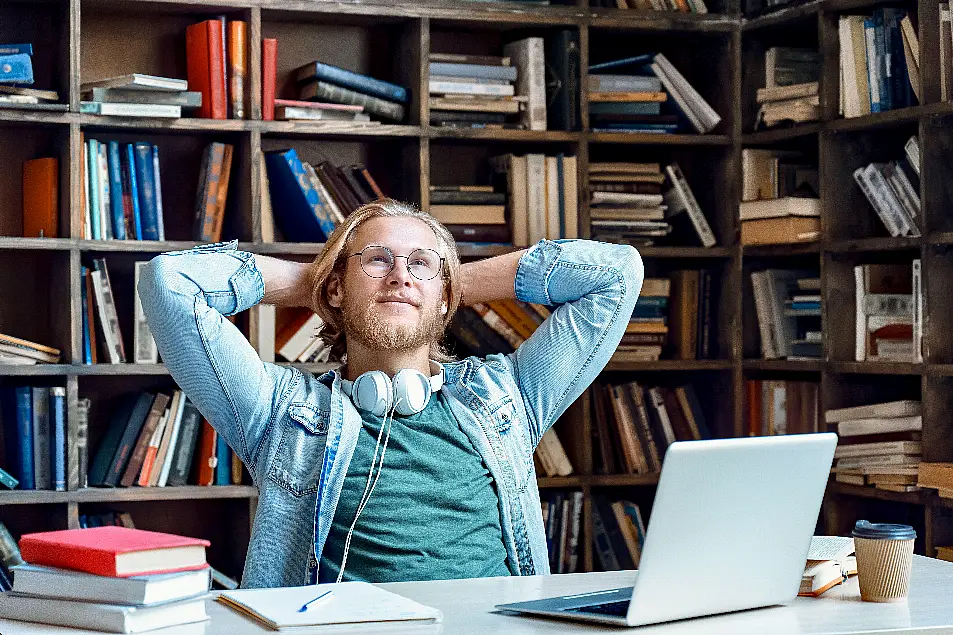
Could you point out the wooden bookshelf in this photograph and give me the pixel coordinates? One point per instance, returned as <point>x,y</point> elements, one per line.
<point>77,39</point>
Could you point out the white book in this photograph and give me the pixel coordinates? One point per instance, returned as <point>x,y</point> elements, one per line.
<point>130,110</point>
<point>684,199</point>
<point>762,304</point>
<point>680,99</point>
<point>858,427</point>
<point>553,196</point>
<point>11,359</point>
<point>470,88</point>
<point>917,311</point>
<point>861,176</point>
<point>109,618</point>
<point>105,202</point>
<point>27,353</point>
<point>536,196</point>
<point>109,320</point>
<point>571,196</point>
<point>157,180</point>
<point>858,39</point>
<point>138,81</point>
<point>860,312</point>
<point>873,66</point>
<point>87,223</point>
<point>849,95</point>
<point>912,149</point>
<point>298,342</point>
<point>627,198</point>
<point>886,198</point>
<point>311,350</point>
<point>179,408</point>
<point>874,449</point>
<point>261,330</point>
<point>529,58</point>
<point>556,453</point>
<point>267,215</point>
<point>862,461</point>
<point>705,112</point>
<point>144,347</point>
<point>780,208</point>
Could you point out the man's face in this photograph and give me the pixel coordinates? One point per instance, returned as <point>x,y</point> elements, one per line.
<point>397,311</point>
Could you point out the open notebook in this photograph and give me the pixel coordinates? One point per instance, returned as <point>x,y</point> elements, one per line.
<point>829,563</point>
<point>352,602</point>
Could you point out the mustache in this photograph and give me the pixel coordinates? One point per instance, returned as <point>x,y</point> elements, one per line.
<point>399,297</point>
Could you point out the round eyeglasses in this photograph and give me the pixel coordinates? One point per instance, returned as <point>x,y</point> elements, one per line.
<point>378,261</point>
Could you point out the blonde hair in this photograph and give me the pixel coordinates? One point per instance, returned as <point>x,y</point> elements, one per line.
<point>333,259</point>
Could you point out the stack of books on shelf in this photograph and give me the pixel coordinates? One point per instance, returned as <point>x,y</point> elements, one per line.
<point>496,327</point>
<point>158,440</point>
<point>562,518</point>
<point>879,444</point>
<point>790,93</point>
<point>684,6</point>
<point>893,190</point>
<point>296,339</point>
<point>217,60</point>
<point>879,62</point>
<point>551,458</point>
<point>324,83</point>
<point>647,331</point>
<point>474,213</point>
<point>889,312</point>
<point>122,191</point>
<point>541,196</point>
<point>306,202</point>
<point>618,533</point>
<point>15,351</point>
<point>634,102</point>
<point>788,307</point>
<point>474,91</point>
<point>781,407</point>
<point>109,579</point>
<point>938,476</point>
<point>779,198</point>
<point>34,433</point>
<point>16,68</point>
<point>138,95</point>
<point>673,317</point>
<point>635,424</point>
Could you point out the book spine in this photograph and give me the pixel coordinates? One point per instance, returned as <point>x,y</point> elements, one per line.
<point>185,448</point>
<point>78,461</point>
<point>16,69</point>
<point>105,301</point>
<point>237,53</point>
<point>24,413</point>
<point>42,438</point>
<point>917,311</point>
<point>873,79</point>
<point>157,192</point>
<point>705,235</point>
<point>475,71</point>
<point>221,193</point>
<point>354,81</point>
<point>92,171</point>
<point>324,91</point>
<point>146,186</point>
<point>145,348</point>
<point>269,72</point>
<point>130,165</point>
<point>215,30</point>
<point>57,406</point>
<point>102,167</point>
<point>115,192</point>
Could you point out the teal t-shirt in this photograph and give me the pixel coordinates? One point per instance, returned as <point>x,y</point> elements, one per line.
<point>434,514</point>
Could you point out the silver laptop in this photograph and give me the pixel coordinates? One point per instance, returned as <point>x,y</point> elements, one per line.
<point>729,530</point>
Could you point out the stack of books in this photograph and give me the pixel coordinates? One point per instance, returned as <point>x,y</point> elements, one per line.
<point>16,67</point>
<point>798,103</point>
<point>938,476</point>
<point>34,432</point>
<point>15,351</point>
<point>550,456</point>
<point>562,518</point>
<point>629,211</point>
<point>320,82</point>
<point>618,533</point>
<point>779,199</point>
<point>788,307</point>
<point>217,58</point>
<point>474,91</point>
<point>633,103</point>
<point>297,339</point>
<point>879,444</point>
<point>325,113</point>
<point>893,190</point>
<point>122,189</point>
<point>109,579</point>
<point>138,95</point>
<point>647,330</point>
<point>879,61</point>
<point>496,327</point>
<point>542,195</point>
<point>684,6</point>
<point>781,407</point>
<point>474,213</point>
<point>889,312</point>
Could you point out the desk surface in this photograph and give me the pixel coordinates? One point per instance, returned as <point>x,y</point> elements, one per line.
<point>467,607</point>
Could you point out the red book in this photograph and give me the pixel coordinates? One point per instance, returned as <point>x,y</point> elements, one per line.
<point>204,46</point>
<point>115,552</point>
<point>269,77</point>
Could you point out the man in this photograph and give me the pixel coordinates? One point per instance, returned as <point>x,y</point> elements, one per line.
<point>456,496</point>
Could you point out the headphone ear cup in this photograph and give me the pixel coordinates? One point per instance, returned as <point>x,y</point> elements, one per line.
<point>411,391</point>
<point>373,392</point>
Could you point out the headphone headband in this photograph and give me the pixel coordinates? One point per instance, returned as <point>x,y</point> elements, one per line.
<point>375,392</point>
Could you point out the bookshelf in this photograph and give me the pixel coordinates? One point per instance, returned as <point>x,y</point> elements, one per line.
<point>718,52</point>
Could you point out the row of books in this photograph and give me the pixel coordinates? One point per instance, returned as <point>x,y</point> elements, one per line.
<point>889,312</point>
<point>788,308</point>
<point>562,518</point>
<point>633,102</point>
<point>879,444</point>
<point>322,82</point>
<point>496,327</point>
<point>776,406</point>
<point>295,338</point>
<point>683,6</point>
<point>618,533</point>
<point>779,197</point>
<point>879,62</point>
<point>15,351</point>
<point>550,457</point>
<point>635,424</point>
<point>893,190</point>
<point>674,317</point>
<point>34,433</point>
<point>482,93</point>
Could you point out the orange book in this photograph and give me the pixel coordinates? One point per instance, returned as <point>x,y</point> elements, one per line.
<point>754,407</point>
<point>92,312</point>
<point>151,451</point>
<point>505,311</point>
<point>237,52</point>
<point>269,77</point>
<point>648,96</point>
<point>40,197</point>
<point>289,328</point>
<point>520,314</point>
<point>222,193</point>
<point>205,457</point>
<point>236,465</point>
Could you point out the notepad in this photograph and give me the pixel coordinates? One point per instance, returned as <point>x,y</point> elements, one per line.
<point>353,602</point>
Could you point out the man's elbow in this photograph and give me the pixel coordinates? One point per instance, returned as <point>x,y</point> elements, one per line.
<point>155,277</point>
<point>632,267</point>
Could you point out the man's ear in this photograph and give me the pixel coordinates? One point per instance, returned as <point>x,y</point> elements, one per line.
<point>335,290</point>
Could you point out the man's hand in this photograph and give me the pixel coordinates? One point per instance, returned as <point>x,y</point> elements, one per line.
<point>286,282</point>
<point>490,279</point>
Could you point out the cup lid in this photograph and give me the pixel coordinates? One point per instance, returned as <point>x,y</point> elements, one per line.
<point>883,531</point>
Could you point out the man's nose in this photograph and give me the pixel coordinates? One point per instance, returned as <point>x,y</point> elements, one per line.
<point>400,274</point>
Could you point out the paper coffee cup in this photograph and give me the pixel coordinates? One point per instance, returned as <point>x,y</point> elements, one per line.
<point>884,558</point>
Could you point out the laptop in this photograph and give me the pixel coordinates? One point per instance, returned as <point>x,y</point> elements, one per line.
<point>729,530</point>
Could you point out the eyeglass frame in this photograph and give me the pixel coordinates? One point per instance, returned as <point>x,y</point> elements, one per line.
<point>394,262</point>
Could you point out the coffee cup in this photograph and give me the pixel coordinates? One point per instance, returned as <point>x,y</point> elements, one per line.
<point>884,559</point>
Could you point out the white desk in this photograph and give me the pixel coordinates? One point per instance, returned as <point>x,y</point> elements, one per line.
<point>467,607</point>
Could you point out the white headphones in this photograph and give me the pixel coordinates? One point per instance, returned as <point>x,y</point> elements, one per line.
<point>410,389</point>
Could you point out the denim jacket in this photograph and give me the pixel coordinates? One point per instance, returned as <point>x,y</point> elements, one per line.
<point>296,434</point>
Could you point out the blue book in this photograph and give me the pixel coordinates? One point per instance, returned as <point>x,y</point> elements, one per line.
<point>474,71</point>
<point>115,192</point>
<point>223,468</point>
<point>883,61</point>
<point>24,401</point>
<point>92,171</point>
<point>625,108</point>
<point>133,189</point>
<point>354,81</point>
<point>638,60</point>
<point>42,466</point>
<point>7,480</point>
<point>16,49</point>
<point>145,180</point>
<point>873,78</point>
<point>157,185</point>
<point>58,436</point>
<point>649,312</point>
<point>87,344</point>
<point>295,201</point>
<point>652,300</point>
<point>16,69</point>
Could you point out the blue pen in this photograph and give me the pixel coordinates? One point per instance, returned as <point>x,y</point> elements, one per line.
<point>324,596</point>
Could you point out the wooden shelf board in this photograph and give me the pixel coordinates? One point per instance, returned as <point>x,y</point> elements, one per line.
<point>633,138</point>
<point>496,134</point>
<point>40,244</point>
<point>35,370</point>
<point>664,251</point>
<point>550,482</point>
<point>158,124</point>
<point>622,361</point>
<point>877,368</point>
<point>783,365</point>
<point>308,129</point>
<point>764,137</point>
<point>790,249</point>
<point>630,19</point>
<point>869,491</point>
<point>783,16</point>
<point>122,494</point>
<point>19,116</point>
<point>940,238</point>
<point>623,480</point>
<point>879,120</point>
<point>136,246</point>
<point>940,370</point>
<point>883,243</point>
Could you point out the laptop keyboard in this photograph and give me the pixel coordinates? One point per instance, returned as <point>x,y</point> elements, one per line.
<point>620,608</point>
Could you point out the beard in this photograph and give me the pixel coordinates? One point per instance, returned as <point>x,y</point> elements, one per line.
<point>364,325</point>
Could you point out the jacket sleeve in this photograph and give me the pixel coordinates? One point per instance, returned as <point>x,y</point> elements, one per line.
<point>185,296</point>
<point>594,287</point>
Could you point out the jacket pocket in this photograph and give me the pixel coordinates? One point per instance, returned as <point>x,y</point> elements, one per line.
<point>514,454</point>
<point>297,464</point>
